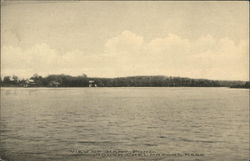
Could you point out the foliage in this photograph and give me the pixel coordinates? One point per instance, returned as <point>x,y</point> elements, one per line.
<point>61,80</point>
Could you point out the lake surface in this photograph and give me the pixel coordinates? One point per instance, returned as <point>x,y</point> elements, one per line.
<point>167,124</point>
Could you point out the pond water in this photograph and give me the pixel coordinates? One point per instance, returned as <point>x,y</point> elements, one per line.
<point>81,124</point>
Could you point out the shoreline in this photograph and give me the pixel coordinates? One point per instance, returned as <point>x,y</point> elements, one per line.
<point>134,87</point>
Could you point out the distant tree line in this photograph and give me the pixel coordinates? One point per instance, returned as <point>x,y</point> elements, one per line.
<point>36,80</point>
<point>245,85</point>
<point>62,80</point>
<point>164,81</point>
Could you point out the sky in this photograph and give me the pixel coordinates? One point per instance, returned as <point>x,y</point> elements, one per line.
<point>124,38</point>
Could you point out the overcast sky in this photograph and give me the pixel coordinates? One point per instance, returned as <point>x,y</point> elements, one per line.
<point>111,39</point>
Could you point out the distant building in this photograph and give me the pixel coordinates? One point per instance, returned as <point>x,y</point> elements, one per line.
<point>30,83</point>
<point>92,83</point>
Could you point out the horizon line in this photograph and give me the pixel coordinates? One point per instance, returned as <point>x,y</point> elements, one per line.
<point>155,75</point>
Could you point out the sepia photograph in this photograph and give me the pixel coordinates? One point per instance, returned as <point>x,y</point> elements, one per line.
<point>124,80</point>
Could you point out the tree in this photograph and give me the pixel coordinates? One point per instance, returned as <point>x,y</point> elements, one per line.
<point>247,84</point>
<point>6,79</point>
<point>15,78</point>
<point>39,81</point>
<point>84,75</point>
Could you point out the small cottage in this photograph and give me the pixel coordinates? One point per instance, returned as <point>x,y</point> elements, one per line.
<point>92,83</point>
<point>30,83</point>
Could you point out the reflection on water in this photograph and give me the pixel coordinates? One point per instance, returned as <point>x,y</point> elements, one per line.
<point>46,124</point>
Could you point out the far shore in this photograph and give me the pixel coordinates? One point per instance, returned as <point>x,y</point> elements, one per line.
<point>123,87</point>
<point>66,81</point>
